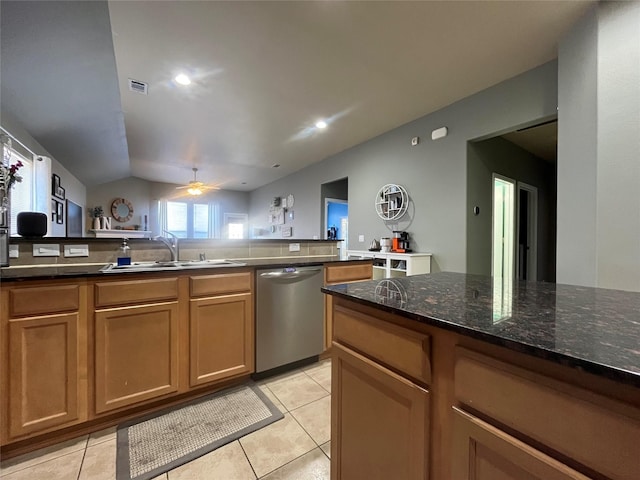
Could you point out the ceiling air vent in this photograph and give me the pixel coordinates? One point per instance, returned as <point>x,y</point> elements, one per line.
<point>138,87</point>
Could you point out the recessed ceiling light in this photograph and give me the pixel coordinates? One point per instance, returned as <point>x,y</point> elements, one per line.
<point>321,124</point>
<point>182,79</point>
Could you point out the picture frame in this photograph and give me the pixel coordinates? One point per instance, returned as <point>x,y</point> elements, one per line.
<point>57,190</point>
<point>60,213</point>
<point>54,210</point>
<point>55,185</point>
<point>74,219</point>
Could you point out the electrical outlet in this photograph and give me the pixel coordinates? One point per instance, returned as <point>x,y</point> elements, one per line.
<point>361,238</point>
<point>46,250</point>
<point>294,247</point>
<point>14,251</point>
<point>76,250</point>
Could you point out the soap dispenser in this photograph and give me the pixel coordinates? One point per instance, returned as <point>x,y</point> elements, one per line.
<point>124,253</point>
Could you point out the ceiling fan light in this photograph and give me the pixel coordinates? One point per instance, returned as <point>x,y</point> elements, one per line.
<point>182,79</point>
<point>194,191</point>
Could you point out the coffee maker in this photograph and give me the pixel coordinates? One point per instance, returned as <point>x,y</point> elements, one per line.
<point>400,242</point>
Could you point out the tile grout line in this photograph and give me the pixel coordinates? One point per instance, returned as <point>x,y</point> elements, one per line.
<point>287,463</point>
<point>84,455</point>
<point>318,383</point>
<point>2,474</point>
<point>305,430</point>
<point>247,457</point>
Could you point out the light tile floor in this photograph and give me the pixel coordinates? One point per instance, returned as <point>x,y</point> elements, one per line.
<point>294,448</point>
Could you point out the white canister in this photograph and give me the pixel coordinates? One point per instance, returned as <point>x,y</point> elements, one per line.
<point>385,244</point>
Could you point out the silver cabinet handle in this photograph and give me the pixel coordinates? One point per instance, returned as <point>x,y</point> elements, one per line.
<point>296,274</point>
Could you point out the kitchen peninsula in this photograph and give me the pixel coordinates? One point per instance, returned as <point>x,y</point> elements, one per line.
<point>453,377</point>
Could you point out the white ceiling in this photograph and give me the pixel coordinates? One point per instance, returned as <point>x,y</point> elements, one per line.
<point>263,73</point>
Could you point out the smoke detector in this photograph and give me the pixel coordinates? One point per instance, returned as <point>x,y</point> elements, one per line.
<point>138,86</point>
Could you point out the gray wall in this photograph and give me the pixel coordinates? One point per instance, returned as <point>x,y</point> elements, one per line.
<point>599,156</point>
<point>498,155</point>
<point>433,172</point>
<point>577,151</point>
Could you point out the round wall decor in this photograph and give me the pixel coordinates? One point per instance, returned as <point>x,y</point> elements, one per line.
<point>121,210</point>
<point>391,201</point>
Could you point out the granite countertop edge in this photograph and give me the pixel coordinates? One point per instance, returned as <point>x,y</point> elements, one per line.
<point>67,271</point>
<point>595,368</point>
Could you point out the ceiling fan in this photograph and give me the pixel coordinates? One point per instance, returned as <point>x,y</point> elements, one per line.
<point>195,187</point>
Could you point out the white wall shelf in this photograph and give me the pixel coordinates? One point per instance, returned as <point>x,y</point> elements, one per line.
<point>121,233</point>
<point>393,265</point>
<point>391,201</point>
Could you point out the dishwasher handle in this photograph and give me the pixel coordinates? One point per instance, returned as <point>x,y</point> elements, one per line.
<point>296,274</point>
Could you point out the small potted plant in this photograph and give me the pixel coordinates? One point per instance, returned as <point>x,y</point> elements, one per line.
<point>97,213</point>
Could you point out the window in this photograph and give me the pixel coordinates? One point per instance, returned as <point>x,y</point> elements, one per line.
<point>235,225</point>
<point>189,220</point>
<point>22,193</point>
<point>33,193</point>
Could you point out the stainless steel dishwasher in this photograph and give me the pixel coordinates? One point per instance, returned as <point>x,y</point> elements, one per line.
<point>289,316</point>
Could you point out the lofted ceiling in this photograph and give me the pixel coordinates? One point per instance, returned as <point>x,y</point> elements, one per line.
<point>262,74</point>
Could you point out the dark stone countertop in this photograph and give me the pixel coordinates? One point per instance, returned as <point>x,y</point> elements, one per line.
<point>593,329</point>
<point>14,274</point>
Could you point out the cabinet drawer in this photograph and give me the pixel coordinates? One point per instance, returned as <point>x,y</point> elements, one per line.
<point>347,273</point>
<point>397,347</point>
<point>203,285</point>
<point>483,452</point>
<point>597,432</point>
<point>39,300</point>
<point>126,292</point>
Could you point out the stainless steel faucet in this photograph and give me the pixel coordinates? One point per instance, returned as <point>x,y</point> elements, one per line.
<point>171,243</point>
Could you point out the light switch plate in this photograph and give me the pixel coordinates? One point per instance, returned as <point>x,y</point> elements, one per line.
<point>76,250</point>
<point>294,247</point>
<point>46,250</point>
<point>14,251</point>
<point>361,238</point>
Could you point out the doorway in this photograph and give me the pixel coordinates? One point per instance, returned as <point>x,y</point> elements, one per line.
<point>334,216</point>
<point>533,171</point>
<point>514,250</point>
<point>527,224</point>
<point>503,229</point>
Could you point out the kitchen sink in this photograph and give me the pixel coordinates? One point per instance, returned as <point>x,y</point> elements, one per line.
<point>163,266</point>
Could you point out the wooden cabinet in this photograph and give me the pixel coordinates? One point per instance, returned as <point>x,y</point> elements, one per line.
<point>341,273</point>
<point>135,341</point>
<point>43,360</point>
<point>380,407</point>
<point>136,354</point>
<point>583,427</point>
<point>495,414</point>
<point>221,327</point>
<point>484,452</point>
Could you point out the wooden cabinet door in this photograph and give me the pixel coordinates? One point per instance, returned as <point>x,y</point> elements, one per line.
<point>483,452</point>
<point>43,373</point>
<point>221,338</point>
<point>136,354</point>
<point>334,274</point>
<point>379,422</point>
